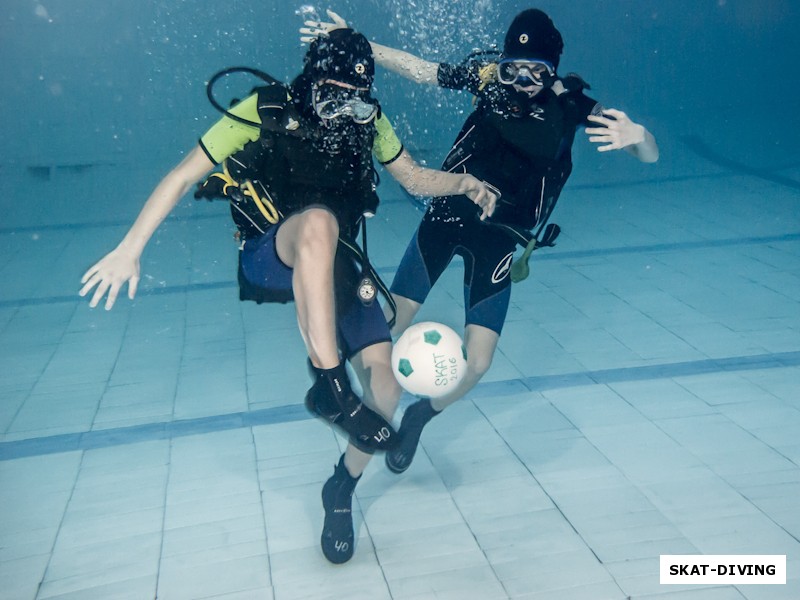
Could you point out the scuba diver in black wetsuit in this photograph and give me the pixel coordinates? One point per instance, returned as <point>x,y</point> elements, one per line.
<point>519,140</point>
<point>299,176</point>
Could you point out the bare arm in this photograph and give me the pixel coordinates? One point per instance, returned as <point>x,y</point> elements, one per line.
<point>405,64</point>
<point>646,150</point>
<point>422,181</point>
<point>122,264</point>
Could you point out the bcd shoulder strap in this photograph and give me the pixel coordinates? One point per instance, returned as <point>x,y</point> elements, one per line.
<point>277,112</point>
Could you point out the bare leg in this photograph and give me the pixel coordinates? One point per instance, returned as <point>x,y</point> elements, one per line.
<point>481,344</point>
<point>406,311</point>
<point>373,365</point>
<point>306,242</point>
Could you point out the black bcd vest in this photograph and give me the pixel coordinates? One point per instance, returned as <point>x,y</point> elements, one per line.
<point>298,162</point>
<point>521,148</point>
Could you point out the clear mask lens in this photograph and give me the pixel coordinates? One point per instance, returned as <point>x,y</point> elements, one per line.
<point>523,73</point>
<point>334,104</point>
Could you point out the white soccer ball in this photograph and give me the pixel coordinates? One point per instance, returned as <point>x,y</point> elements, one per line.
<point>429,359</point>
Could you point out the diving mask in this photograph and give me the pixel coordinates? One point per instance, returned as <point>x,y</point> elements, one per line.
<point>525,72</point>
<point>333,100</point>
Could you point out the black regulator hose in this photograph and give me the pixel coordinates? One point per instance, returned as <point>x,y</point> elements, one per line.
<point>269,79</point>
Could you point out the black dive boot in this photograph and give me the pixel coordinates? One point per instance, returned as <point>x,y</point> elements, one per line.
<point>337,539</point>
<point>332,399</point>
<point>414,419</point>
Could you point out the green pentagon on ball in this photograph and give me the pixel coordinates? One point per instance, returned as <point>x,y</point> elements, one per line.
<point>404,367</point>
<point>432,337</point>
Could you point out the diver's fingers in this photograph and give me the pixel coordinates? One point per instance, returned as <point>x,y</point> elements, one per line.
<point>99,293</point>
<point>601,139</point>
<point>480,200</point>
<point>492,204</point>
<point>309,34</point>
<point>610,138</point>
<point>337,19</point>
<point>483,199</point>
<point>90,272</point>
<point>133,285</point>
<point>313,31</point>
<point>113,292</point>
<point>605,122</point>
<point>488,203</point>
<point>89,282</point>
<point>617,114</point>
<point>608,147</point>
<point>323,27</point>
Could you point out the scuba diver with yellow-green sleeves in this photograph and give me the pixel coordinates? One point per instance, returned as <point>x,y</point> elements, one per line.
<point>519,140</point>
<point>298,174</point>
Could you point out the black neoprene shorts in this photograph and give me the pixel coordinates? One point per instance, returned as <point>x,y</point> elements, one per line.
<point>451,227</point>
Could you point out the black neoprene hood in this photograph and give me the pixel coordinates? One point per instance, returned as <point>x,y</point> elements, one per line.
<point>343,55</point>
<point>532,35</point>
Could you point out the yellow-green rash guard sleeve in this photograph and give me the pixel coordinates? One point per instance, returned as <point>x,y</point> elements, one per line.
<point>386,147</point>
<point>226,136</point>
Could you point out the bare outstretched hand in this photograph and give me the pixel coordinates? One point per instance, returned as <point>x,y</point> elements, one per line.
<point>614,133</point>
<point>109,274</point>
<point>315,29</point>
